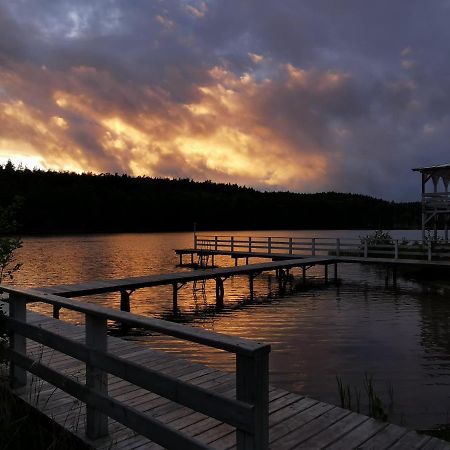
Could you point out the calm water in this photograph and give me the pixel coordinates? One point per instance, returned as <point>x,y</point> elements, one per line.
<point>400,336</point>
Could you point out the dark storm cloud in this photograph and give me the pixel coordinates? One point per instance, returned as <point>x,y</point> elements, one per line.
<point>293,95</point>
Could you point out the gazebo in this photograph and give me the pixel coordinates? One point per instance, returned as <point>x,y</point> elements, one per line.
<point>435,198</point>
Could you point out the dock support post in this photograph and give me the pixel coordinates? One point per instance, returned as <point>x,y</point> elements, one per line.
<point>304,275</point>
<point>236,262</point>
<point>313,246</point>
<point>281,279</point>
<point>96,379</point>
<point>335,273</point>
<point>366,249</point>
<point>252,386</point>
<point>394,276</point>
<point>125,301</point>
<point>429,251</point>
<point>250,282</point>
<point>192,258</point>
<point>219,293</point>
<point>56,310</point>
<point>212,259</point>
<point>396,249</point>
<point>326,273</point>
<point>181,259</point>
<point>17,343</point>
<point>175,299</point>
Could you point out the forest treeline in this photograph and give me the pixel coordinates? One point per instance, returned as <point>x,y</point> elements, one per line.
<point>65,202</point>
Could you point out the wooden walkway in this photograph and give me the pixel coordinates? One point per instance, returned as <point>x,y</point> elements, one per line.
<point>103,286</point>
<point>295,421</point>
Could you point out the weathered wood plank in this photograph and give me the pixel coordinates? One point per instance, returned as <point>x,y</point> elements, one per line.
<point>360,434</point>
<point>412,441</point>
<point>333,432</point>
<point>384,438</point>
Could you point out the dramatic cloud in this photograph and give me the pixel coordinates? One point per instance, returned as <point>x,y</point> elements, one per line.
<point>295,95</point>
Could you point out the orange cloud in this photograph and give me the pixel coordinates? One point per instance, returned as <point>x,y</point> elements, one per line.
<point>90,122</point>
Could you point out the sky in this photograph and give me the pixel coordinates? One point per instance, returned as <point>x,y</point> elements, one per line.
<point>293,95</point>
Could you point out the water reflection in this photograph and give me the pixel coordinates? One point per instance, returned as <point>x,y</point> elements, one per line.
<point>400,335</point>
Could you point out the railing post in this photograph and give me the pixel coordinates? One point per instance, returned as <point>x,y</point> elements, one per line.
<point>215,243</point>
<point>96,379</point>
<point>269,245</point>
<point>249,244</point>
<point>252,386</point>
<point>366,248</point>
<point>313,246</point>
<point>290,246</point>
<point>396,249</point>
<point>195,242</point>
<point>338,247</point>
<point>429,251</point>
<point>232,243</point>
<point>17,343</point>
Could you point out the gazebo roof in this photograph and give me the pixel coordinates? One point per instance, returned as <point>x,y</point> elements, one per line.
<point>432,169</point>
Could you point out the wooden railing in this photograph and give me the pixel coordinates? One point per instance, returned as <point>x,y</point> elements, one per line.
<point>248,412</point>
<point>315,246</point>
<point>436,200</point>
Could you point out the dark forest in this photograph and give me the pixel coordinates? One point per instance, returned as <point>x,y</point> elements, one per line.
<point>64,202</point>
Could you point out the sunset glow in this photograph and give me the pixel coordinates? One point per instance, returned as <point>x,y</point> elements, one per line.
<point>163,90</point>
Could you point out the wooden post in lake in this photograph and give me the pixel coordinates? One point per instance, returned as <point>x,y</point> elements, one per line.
<point>304,275</point>
<point>326,273</point>
<point>250,282</point>
<point>125,301</point>
<point>175,299</point>
<point>219,293</point>
<point>335,273</point>
<point>17,342</point>
<point>56,310</point>
<point>96,379</point>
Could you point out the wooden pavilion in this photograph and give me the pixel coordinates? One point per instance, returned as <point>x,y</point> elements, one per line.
<point>435,199</point>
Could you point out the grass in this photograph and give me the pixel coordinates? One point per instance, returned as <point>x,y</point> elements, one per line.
<point>22,428</point>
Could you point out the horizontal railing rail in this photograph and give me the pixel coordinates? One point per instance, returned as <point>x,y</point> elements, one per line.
<point>248,412</point>
<point>312,246</point>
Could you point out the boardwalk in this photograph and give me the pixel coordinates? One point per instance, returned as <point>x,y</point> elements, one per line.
<point>294,421</point>
<point>114,393</point>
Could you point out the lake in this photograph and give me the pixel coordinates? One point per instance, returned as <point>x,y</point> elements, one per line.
<point>400,335</point>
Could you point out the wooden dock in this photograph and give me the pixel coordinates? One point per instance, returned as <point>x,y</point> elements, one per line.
<point>116,394</point>
<point>294,421</point>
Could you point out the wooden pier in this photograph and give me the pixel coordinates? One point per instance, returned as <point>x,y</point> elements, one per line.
<point>115,394</point>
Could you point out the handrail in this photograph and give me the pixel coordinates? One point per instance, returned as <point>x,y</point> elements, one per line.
<point>210,338</point>
<point>248,412</point>
<point>367,247</point>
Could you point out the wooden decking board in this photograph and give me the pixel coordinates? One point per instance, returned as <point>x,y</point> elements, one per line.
<point>277,432</point>
<point>295,421</point>
<point>308,430</point>
<point>384,438</point>
<point>435,444</point>
<point>411,441</point>
<point>358,435</point>
<point>277,413</point>
<point>334,432</point>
